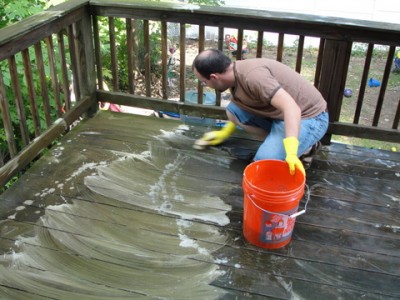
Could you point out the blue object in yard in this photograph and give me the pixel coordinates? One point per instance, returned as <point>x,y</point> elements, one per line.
<point>372,82</point>
<point>191,98</point>
<point>348,93</point>
<point>208,98</point>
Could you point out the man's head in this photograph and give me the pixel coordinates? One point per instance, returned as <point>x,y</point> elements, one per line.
<point>210,67</point>
<point>211,61</point>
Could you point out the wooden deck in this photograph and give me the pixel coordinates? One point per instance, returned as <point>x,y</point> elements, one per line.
<point>123,208</point>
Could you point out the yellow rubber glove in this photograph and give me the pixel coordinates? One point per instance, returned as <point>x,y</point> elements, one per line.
<point>291,145</point>
<point>218,136</point>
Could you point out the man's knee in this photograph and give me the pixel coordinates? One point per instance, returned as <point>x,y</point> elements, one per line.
<point>271,150</point>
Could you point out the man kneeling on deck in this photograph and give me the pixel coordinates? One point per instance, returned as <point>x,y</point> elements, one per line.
<point>270,101</point>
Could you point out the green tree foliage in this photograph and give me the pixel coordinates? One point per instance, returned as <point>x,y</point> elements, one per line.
<point>12,11</point>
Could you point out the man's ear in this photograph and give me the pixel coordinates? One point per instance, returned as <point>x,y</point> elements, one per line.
<point>213,76</point>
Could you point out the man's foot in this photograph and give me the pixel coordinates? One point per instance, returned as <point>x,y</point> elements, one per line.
<point>307,157</point>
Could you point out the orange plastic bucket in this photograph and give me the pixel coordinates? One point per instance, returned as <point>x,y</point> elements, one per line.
<point>271,201</point>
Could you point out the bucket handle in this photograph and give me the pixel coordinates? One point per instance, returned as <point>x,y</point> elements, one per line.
<point>292,215</point>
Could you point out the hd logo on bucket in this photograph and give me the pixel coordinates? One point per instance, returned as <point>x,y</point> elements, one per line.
<point>276,227</point>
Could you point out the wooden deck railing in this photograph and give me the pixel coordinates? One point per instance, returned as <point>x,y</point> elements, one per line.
<point>336,38</point>
<point>41,59</point>
<point>50,64</point>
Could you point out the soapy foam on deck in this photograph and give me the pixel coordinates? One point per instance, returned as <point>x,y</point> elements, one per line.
<point>163,194</point>
<point>85,167</point>
<point>133,248</point>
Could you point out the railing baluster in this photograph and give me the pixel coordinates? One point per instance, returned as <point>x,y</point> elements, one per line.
<point>182,58</point>
<point>74,62</point>
<point>129,48</point>
<point>164,59</point>
<point>397,116</point>
<point>5,113</point>
<point>135,53</point>
<point>64,72</point>
<point>97,52</point>
<point>19,101</point>
<point>239,51</point>
<point>31,91</point>
<point>147,62</point>
<point>221,39</point>
<point>363,84</point>
<point>53,74</point>
<point>202,34</point>
<point>385,80</point>
<point>300,49</point>
<point>113,52</point>
<point>260,40</point>
<point>201,48</point>
<point>43,83</point>
<point>279,53</point>
<point>220,46</point>
<point>317,76</point>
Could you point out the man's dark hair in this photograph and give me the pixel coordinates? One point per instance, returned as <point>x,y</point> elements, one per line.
<point>211,61</point>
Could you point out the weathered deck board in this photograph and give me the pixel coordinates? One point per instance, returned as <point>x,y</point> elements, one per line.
<point>123,207</point>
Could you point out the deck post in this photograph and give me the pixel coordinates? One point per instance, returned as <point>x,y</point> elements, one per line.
<point>335,62</point>
<point>84,53</point>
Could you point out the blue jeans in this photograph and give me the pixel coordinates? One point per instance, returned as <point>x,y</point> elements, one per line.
<point>311,131</point>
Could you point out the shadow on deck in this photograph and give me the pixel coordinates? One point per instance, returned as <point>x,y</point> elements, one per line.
<point>123,207</point>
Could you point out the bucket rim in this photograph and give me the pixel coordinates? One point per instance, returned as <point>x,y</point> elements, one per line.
<point>278,161</point>
<point>273,193</point>
<point>277,193</point>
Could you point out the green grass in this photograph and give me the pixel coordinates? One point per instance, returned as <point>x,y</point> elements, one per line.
<point>371,95</point>
<point>395,147</point>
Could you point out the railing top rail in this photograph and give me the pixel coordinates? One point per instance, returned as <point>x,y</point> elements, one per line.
<point>28,31</point>
<point>291,23</point>
<point>16,37</point>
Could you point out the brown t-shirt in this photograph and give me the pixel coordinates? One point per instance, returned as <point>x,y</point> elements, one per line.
<point>257,81</point>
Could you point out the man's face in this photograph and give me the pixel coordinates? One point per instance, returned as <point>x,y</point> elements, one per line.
<point>214,82</point>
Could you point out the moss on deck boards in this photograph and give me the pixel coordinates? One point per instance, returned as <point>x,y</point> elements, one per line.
<point>124,207</point>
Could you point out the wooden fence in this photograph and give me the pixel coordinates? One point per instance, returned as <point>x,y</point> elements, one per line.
<point>53,66</point>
